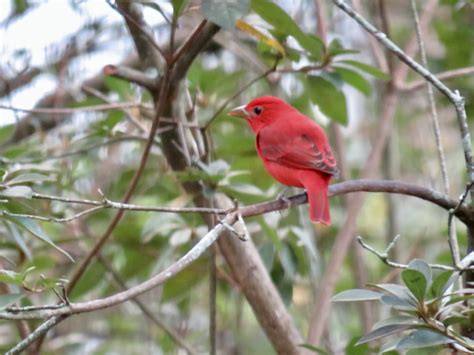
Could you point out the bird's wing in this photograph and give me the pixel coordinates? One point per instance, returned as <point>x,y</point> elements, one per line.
<point>300,151</point>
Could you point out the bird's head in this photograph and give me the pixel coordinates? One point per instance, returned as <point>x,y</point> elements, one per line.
<point>262,111</point>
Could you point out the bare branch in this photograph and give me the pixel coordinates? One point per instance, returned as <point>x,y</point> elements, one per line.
<point>140,31</point>
<point>351,186</point>
<point>238,92</point>
<point>131,75</point>
<point>68,111</point>
<point>72,152</point>
<point>144,308</point>
<point>383,256</point>
<point>453,96</point>
<point>172,270</point>
<point>462,212</point>
<point>131,188</point>
<point>39,332</point>
<point>453,242</point>
<point>447,75</point>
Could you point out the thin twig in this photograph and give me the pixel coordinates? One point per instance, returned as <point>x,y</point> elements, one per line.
<point>238,92</point>
<point>189,42</point>
<point>434,113</point>
<point>37,333</point>
<point>447,75</point>
<point>377,51</point>
<point>71,152</point>
<point>67,111</point>
<point>139,28</point>
<point>453,242</point>
<point>94,92</point>
<point>383,256</point>
<point>350,186</point>
<point>144,308</point>
<point>345,236</point>
<point>453,96</point>
<point>213,235</point>
<point>170,271</point>
<point>130,75</point>
<point>131,188</point>
<point>456,257</point>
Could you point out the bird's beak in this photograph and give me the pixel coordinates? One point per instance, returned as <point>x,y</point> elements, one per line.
<point>239,112</point>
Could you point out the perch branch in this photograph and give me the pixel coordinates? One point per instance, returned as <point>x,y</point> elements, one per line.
<point>36,312</point>
<point>453,242</point>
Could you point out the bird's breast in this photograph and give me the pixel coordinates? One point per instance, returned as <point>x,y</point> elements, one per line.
<point>285,175</point>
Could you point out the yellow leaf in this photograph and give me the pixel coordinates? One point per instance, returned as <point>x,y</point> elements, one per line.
<point>262,37</point>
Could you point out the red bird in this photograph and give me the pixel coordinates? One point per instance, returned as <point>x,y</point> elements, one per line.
<point>293,148</point>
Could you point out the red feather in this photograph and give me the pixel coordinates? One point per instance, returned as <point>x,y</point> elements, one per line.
<point>294,150</point>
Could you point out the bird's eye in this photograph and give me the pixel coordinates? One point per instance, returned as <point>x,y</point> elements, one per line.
<point>257,110</point>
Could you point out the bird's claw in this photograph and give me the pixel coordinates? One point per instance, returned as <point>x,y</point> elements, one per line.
<point>282,198</point>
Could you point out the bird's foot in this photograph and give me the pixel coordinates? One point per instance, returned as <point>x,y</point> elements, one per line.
<point>281,197</point>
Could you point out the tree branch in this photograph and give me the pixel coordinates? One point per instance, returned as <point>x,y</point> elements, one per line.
<point>447,75</point>
<point>462,212</point>
<point>453,96</point>
<point>131,75</point>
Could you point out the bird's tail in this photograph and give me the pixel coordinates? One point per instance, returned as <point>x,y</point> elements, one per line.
<point>316,185</point>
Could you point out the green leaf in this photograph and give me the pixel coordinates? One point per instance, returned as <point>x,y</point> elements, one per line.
<point>92,279</point>
<point>354,79</point>
<point>438,286</point>
<point>450,282</point>
<point>400,319</point>
<point>390,346</point>
<point>12,277</point>
<point>288,262</point>
<point>225,12</point>
<point>182,284</point>
<point>355,295</point>
<point>29,177</point>
<point>32,227</point>
<point>260,36</point>
<point>280,20</point>
<point>18,238</point>
<point>156,7</point>
<point>423,267</point>
<point>383,332</point>
<point>397,302</point>
<point>465,321</point>
<point>398,296</point>
<point>369,69</point>
<point>421,339</point>
<point>17,192</point>
<point>9,299</point>
<point>267,253</point>
<point>313,348</point>
<point>330,100</point>
<point>6,132</point>
<point>353,348</point>
<point>178,6</point>
<point>121,87</point>
<point>272,234</point>
<point>416,283</point>
<point>335,48</point>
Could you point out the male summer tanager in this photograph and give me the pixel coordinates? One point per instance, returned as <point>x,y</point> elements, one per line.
<point>293,148</point>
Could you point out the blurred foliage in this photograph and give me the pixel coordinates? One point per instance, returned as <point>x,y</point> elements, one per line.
<point>334,82</point>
